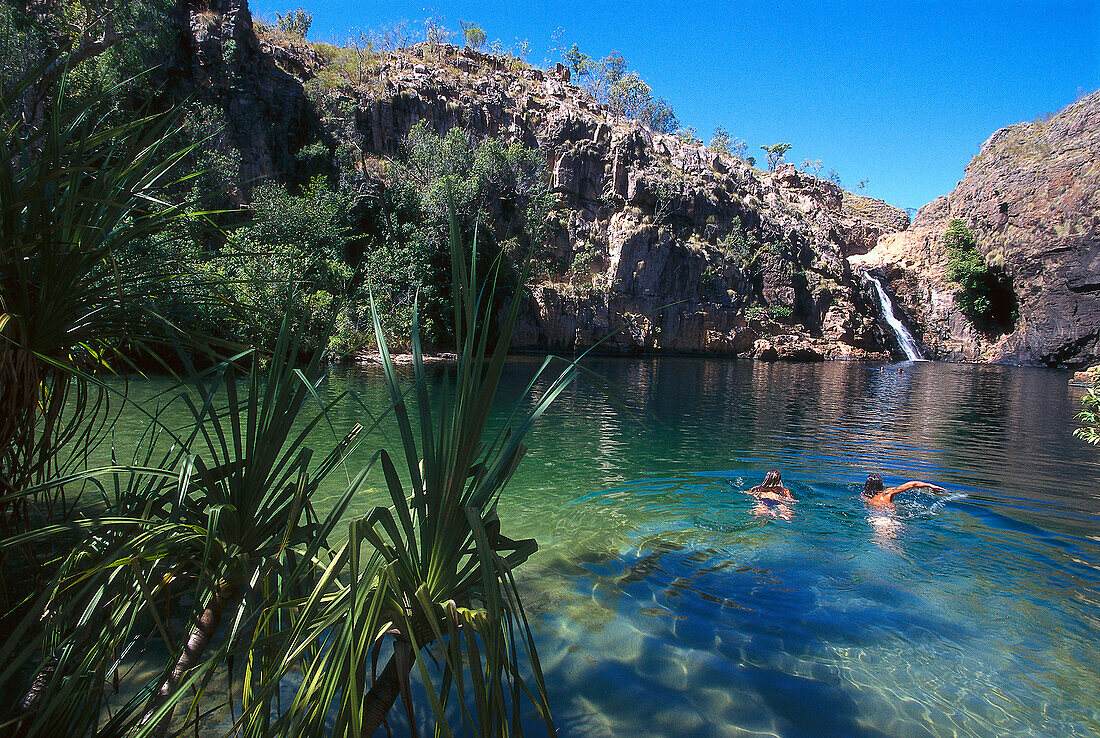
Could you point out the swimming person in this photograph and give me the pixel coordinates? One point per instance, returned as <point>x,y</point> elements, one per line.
<point>772,488</point>
<point>772,498</point>
<point>874,494</point>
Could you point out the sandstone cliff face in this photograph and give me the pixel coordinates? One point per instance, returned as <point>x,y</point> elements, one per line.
<point>221,64</point>
<point>672,247</point>
<point>1032,199</point>
<point>684,250</point>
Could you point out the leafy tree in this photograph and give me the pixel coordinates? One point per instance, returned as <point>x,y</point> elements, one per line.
<point>628,95</point>
<point>720,143</point>
<point>833,177</point>
<point>473,34</point>
<point>605,74</point>
<point>775,154</point>
<point>659,116</point>
<point>812,166</point>
<point>290,262</point>
<point>104,48</point>
<point>1089,418</point>
<point>499,186</point>
<point>579,63</point>
<point>861,184</point>
<point>435,33</point>
<point>967,269</point>
<point>294,24</point>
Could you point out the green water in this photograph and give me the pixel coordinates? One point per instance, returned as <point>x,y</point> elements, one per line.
<point>666,603</point>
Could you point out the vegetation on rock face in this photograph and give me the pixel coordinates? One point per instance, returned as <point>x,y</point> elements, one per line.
<point>985,297</point>
<point>775,154</point>
<point>498,188</point>
<point>1089,418</point>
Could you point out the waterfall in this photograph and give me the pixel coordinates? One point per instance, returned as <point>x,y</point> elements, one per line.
<point>905,338</point>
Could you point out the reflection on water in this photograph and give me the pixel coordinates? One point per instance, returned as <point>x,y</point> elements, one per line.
<point>664,604</point>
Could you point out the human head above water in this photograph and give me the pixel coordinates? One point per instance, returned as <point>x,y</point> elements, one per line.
<point>873,485</point>
<point>773,479</point>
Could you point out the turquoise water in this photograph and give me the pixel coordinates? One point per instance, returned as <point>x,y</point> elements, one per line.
<point>666,602</point>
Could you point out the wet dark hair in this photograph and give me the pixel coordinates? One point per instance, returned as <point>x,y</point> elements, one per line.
<point>873,485</point>
<point>773,479</point>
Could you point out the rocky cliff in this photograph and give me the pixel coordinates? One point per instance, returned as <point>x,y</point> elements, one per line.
<point>221,64</point>
<point>1032,199</point>
<point>673,247</point>
<point>669,246</point>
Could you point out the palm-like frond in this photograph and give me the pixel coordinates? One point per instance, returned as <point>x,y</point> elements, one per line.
<point>72,192</point>
<point>207,537</point>
<point>209,582</point>
<point>432,570</point>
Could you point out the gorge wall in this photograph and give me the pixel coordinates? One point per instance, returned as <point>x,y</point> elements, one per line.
<point>680,248</point>
<point>1032,199</point>
<point>670,246</point>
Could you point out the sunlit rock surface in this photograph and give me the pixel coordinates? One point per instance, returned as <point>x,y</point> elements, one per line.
<point>1032,199</point>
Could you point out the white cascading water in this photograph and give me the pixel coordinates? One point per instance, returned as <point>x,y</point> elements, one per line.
<point>905,338</point>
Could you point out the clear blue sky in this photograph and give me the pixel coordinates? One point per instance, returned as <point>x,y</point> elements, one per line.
<point>901,94</point>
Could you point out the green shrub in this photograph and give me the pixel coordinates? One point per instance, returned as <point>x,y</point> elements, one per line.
<point>985,297</point>
<point>289,261</point>
<point>737,246</point>
<point>756,313</point>
<point>294,24</point>
<point>1090,418</point>
<point>780,312</point>
<point>473,34</point>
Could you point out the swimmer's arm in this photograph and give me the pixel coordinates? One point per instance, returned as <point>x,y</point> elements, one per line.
<point>915,485</point>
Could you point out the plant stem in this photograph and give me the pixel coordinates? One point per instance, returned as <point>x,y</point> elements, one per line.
<point>197,641</point>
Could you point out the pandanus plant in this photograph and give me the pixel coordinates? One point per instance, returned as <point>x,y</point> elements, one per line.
<point>73,191</point>
<point>211,561</point>
<point>185,554</point>
<point>432,571</point>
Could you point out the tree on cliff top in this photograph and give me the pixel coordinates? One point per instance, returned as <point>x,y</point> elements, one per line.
<point>473,34</point>
<point>294,24</point>
<point>775,154</point>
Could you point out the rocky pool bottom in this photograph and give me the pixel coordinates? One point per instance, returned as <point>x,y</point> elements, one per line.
<point>666,602</point>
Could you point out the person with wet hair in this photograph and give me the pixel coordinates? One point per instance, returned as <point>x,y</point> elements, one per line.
<point>874,494</point>
<point>772,488</point>
<point>772,498</point>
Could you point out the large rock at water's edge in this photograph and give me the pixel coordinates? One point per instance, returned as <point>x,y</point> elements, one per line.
<point>1032,199</point>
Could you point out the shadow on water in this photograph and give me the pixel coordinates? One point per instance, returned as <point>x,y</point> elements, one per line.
<point>722,621</point>
<point>758,635</point>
